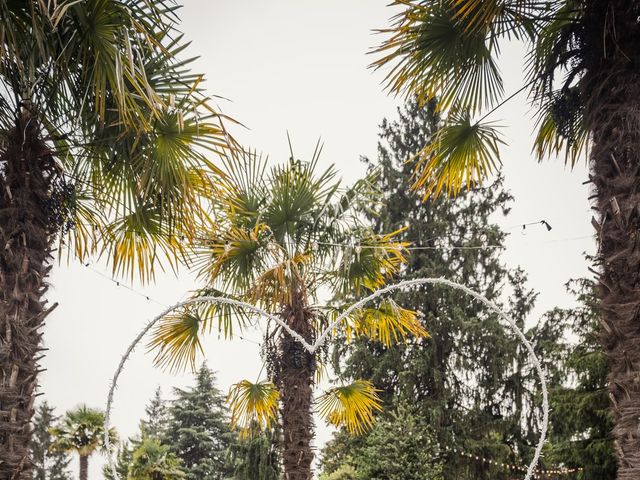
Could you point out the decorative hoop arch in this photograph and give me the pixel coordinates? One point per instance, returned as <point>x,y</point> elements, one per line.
<point>323,337</point>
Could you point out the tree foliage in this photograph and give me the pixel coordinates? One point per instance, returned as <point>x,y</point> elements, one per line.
<point>581,421</point>
<point>48,464</point>
<point>470,379</point>
<point>198,429</point>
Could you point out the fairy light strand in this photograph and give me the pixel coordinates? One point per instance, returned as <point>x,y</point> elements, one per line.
<point>312,348</point>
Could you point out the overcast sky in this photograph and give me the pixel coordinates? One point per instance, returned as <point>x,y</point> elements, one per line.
<point>296,66</point>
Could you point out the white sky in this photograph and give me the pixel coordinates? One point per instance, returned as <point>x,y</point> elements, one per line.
<point>296,66</point>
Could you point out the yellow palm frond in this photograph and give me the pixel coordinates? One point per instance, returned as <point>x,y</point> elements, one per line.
<point>389,323</point>
<point>231,255</point>
<point>273,287</point>
<point>253,404</point>
<point>371,263</point>
<point>177,340</point>
<point>462,153</point>
<point>351,406</point>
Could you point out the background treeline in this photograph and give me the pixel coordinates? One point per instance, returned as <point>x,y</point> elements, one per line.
<point>188,437</point>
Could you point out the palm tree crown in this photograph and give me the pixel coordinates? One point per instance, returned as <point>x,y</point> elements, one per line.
<point>99,84</point>
<point>286,237</point>
<point>81,431</point>
<point>448,50</point>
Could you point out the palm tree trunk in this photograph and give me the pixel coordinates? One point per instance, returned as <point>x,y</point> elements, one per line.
<point>84,467</point>
<point>613,117</point>
<point>296,392</point>
<point>25,251</point>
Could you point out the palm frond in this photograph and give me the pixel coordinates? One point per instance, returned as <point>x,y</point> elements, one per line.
<point>432,53</point>
<point>253,404</point>
<point>388,323</point>
<point>232,254</point>
<point>272,288</point>
<point>177,340</point>
<point>462,153</point>
<point>561,130</point>
<point>370,263</point>
<point>351,406</point>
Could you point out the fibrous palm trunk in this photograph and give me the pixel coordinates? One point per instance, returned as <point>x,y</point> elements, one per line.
<point>25,250</point>
<point>295,384</point>
<point>612,34</point>
<point>84,467</point>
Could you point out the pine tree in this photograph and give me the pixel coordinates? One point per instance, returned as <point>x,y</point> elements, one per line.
<point>581,420</point>
<point>155,422</point>
<point>256,456</point>
<point>124,458</point>
<point>198,429</point>
<point>463,377</point>
<point>47,465</point>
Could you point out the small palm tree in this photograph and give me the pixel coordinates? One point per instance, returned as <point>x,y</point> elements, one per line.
<point>103,131</point>
<point>154,461</point>
<point>279,243</point>
<point>583,77</point>
<point>81,431</point>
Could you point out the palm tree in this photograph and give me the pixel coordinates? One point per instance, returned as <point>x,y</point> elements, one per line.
<point>583,77</point>
<point>102,134</point>
<point>277,244</point>
<point>81,431</point>
<point>154,461</point>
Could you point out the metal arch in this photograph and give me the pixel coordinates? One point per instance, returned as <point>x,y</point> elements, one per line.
<point>323,337</point>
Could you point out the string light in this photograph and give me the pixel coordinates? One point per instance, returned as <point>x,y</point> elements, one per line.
<point>518,468</point>
<point>150,299</point>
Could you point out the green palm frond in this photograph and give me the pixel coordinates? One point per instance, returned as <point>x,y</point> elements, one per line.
<point>432,53</point>
<point>107,84</point>
<point>511,18</point>
<point>81,430</point>
<point>556,49</point>
<point>233,254</point>
<point>462,153</point>
<point>253,404</point>
<point>370,263</point>
<point>388,323</point>
<point>561,129</point>
<point>351,406</point>
<point>297,191</point>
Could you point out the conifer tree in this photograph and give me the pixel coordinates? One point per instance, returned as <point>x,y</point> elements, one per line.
<point>581,421</point>
<point>463,377</point>
<point>155,422</point>
<point>123,460</point>
<point>47,465</point>
<point>198,430</point>
<point>256,455</point>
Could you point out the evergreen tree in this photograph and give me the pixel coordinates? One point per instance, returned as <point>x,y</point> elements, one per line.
<point>47,465</point>
<point>465,377</point>
<point>401,446</point>
<point>123,462</point>
<point>155,422</point>
<point>198,429</point>
<point>581,421</point>
<point>256,456</point>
